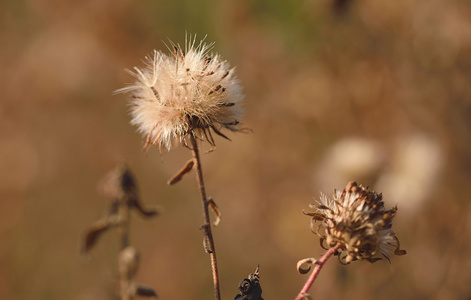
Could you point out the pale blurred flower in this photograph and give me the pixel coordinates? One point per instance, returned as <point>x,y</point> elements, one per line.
<point>188,92</point>
<point>350,157</point>
<point>357,220</point>
<point>415,169</point>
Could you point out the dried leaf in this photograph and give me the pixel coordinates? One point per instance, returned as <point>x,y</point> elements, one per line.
<point>306,297</point>
<point>137,289</point>
<point>308,262</point>
<point>185,170</point>
<point>208,247</point>
<point>146,212</point>
<point>375,259</point>
<point>315,215</point>
<point>216,211</point>
<point>398,250</point>
<point>92,235</point>
<point>250,288</point>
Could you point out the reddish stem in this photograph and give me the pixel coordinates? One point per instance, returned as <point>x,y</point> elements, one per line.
<point>318,266</point>
<point>206,228</point>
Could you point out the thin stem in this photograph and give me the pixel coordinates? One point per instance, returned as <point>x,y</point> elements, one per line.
<point>319,264</point>
<point>123,229</point>
<point>124,224</point>
<point>206,228</point>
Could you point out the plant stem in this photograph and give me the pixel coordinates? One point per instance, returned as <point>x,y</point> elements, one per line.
<point>318,266</point>
<point>123,229</point>
<point>206,227</point>
<point>124,224</point>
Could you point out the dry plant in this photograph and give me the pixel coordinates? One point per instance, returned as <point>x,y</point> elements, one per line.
<point>186,96</point>
<point>250,288</point>
<point>183,98</point>
<point>355,225</point>
<point>120,186</point>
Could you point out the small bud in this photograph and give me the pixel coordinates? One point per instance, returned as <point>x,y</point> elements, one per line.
<point>128,262</point>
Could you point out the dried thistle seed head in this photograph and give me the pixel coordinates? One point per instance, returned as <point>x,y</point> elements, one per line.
<point>186,92</point>
<point>357,220</point>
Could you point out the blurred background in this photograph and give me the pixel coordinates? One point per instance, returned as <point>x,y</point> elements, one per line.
<point>336,90</point>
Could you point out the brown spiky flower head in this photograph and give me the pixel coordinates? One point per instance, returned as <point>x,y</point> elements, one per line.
<point>357,220</point>
<point>186,92</point>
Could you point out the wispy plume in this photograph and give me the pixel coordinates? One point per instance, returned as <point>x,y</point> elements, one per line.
<point>188,92</point>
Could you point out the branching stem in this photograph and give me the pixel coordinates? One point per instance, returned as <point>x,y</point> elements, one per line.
<point>206,228</point>
<point>318,266</point>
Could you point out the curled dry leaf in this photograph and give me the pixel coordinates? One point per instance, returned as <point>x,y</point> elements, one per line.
<point>146,212</point>
<point>250,288</point>
<point>207,245</point>
<point>185,170</point>
<point>216,211</point>
<point>92,234</point>
<point>398,251</point>
<point>307,297</point>
<point>308,262</point>
<point>137,289</point>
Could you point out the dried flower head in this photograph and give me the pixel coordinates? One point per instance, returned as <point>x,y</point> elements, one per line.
<point>357,220</point>
<point>188,92</point>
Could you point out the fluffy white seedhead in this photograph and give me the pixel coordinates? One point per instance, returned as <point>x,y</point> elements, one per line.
<point>186,92</point>
<point>357,219</point>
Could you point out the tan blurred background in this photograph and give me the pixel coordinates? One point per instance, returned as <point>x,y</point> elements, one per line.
<point>366,90</point>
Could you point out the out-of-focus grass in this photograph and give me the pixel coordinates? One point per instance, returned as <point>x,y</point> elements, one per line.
<point>379,94</point>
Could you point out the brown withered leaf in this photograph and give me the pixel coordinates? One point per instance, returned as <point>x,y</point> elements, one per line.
<point>216,211</point>
<point>92,234</point>
<point>137,289</point>
<point>145,212</point>
<point>398,250</point>
<point>307,297</point>
<point>96,230</point>
<point>185,170</point>
<point>308,262</point>
<point>250,288</point>
<point>316,216</point>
